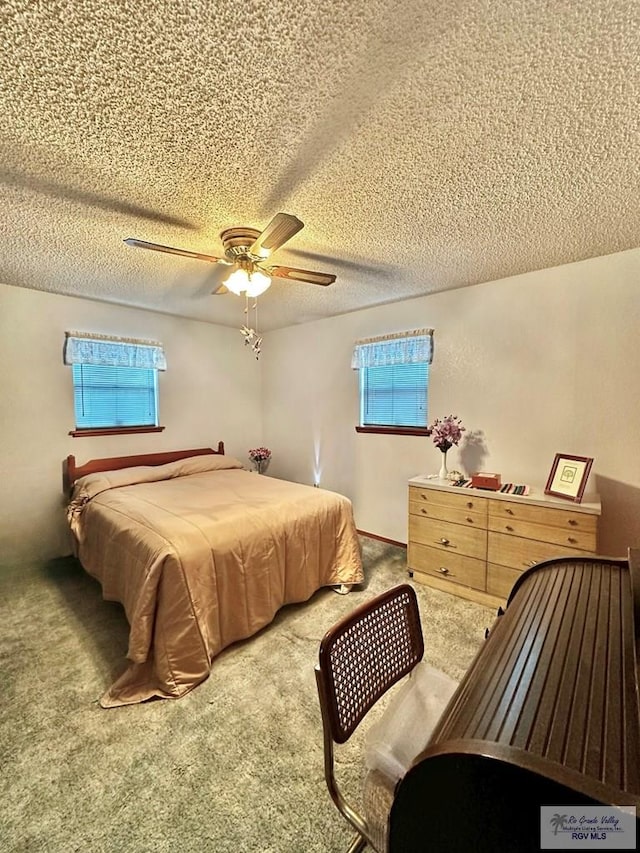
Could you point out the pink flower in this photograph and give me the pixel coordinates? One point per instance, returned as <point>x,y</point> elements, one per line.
<point>446,432</point>
<point>259,454</point>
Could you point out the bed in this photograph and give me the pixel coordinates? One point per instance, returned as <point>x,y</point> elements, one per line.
<point>201,553</point>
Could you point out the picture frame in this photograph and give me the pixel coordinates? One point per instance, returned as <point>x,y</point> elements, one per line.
<point>568,476</point>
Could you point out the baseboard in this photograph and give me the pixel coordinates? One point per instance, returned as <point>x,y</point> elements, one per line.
<point>382,539</point>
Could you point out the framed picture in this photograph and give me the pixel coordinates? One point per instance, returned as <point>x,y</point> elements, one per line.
<point>568,476</point>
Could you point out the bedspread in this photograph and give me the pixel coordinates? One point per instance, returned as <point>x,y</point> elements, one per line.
<point>203,557</point>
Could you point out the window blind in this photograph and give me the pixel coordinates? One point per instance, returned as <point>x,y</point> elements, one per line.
<point>108,396</point>
<point>394,395</point>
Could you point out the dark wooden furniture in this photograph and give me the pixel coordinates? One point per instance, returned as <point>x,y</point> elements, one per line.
<point>73,472</point>
<point>547,714</point>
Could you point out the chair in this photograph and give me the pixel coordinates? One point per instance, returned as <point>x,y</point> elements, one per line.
<point>361,657</point>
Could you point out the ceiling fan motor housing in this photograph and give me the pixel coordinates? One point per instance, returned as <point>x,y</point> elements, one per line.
<point>237,241</point>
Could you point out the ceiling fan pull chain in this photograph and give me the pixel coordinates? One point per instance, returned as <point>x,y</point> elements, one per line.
<point>258,339</point>
<point>251,336</point>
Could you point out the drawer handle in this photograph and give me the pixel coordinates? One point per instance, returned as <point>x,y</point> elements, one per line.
<point>572,522</point>
<point>509,511</point>
<point>422,509</point>
<point>509,528</point>
<point>443,541</point>
<point>469,504</point>
<point>443,570</point>
<point>469,519</point>
<point>530,562</point>
<point>572,539</point>
<point>424,497</point>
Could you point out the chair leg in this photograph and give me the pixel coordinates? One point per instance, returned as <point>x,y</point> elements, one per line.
<point>358,844</point>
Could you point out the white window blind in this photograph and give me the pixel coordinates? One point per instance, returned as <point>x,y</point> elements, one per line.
<point>394,378</point>
<point>114,396</point>
<point>394,395</point>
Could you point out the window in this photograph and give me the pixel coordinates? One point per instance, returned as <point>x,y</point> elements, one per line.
<point>396,395</point>
<point>394,381</point>
<point>106,396</point>
<point>115,383</point>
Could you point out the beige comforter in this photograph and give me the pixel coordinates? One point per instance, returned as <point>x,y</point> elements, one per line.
<point>202,553</point>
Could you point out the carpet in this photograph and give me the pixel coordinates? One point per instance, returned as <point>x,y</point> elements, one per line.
<point>236,765</point>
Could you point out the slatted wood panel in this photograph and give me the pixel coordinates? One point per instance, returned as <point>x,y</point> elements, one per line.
<point>556,681</point>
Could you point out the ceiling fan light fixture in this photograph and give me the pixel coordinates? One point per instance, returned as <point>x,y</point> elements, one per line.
<point>237,282</point>
<point>258,283</point>
<point>253,283</point>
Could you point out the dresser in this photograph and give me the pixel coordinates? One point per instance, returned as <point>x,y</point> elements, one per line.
<point>476,543</point>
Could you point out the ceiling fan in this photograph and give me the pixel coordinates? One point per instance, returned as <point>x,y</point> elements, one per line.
<point>248,250</point>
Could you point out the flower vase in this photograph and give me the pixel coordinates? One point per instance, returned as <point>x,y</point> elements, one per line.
<point>443,473</point>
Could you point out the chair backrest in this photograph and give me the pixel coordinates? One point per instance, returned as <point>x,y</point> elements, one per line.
<point>365,654</point>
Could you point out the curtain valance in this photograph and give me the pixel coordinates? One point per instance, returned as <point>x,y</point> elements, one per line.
<point>84,348</point>
<point>400,348</point>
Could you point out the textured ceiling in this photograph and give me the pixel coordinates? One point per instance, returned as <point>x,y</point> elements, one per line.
<point>425,145</point>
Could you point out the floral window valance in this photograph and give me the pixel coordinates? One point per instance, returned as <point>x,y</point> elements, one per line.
<point>81,348</point>
<point>400,348</point>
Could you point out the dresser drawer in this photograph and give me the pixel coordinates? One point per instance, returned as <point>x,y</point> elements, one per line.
<point>522,553</point>
<point>579,522</point>
<point>456,568</point>
<point>437,497</point>
<point>500,580</point>
<point>445,536</point>
<point>447,513</point>
<point>584,540</point>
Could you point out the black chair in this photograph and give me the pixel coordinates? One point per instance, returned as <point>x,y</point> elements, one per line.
<point>361,657</point>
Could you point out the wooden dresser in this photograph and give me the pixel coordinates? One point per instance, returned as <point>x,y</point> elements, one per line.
<point>546,715</point>
<point>475,543</point>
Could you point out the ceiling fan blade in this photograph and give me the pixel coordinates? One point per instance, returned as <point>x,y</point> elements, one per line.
<point>281,228</point>
<point>307,276</point>
<point>185,253</point>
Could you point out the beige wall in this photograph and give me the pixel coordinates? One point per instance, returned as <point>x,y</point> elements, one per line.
<point>211,391</point>
<point>542,363</point>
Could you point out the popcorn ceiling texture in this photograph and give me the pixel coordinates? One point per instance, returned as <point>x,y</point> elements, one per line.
<point>425,145</point>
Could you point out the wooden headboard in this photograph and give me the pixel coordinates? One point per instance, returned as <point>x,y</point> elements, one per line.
<point>74,472</point>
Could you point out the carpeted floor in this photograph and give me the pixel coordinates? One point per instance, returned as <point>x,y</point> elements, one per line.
<point>234,766</point>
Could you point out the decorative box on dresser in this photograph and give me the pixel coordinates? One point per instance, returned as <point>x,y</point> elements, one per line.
<point>476,543</point>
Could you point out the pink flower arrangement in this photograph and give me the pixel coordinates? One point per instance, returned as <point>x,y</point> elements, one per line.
<point>259,454</point>
<point>446,432</point>
<point>260,457</point>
